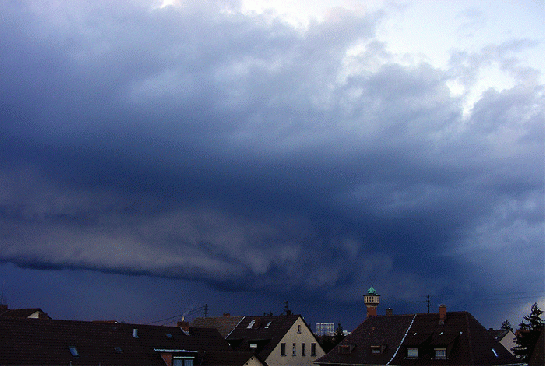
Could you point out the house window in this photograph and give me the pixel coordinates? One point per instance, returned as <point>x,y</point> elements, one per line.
<point>294,350</point>
<point>303,351</point>
<point>182,361</point>
<point>412,352</point>
<point>282,349</point>
<point>299,329</point>
<point>313,349</point>
<point>440,353</point>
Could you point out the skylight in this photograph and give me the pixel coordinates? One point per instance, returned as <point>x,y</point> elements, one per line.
<point>73,351</point>
<point>251,324</point>
<point>495,353</point>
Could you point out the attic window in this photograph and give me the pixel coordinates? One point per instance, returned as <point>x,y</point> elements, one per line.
<point>73,351</point>
<point>118,350</point>
<point>298,329</point>
<point>412,352</point>
<point>182,361</point>
<point>251,324</point>
<point>345,349</point>
<point>440,353</point>
<point>169,335</point>
<point>377,350</point>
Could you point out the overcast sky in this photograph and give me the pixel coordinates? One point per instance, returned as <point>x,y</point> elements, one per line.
<point>159,156</point>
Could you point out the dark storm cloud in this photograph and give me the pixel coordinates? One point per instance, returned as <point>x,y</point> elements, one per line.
<point>237,150</point>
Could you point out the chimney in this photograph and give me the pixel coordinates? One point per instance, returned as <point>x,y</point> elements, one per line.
<point>226,314</point>
<point>389,312</point>
<point>184,325</point>
<point>442,313</point>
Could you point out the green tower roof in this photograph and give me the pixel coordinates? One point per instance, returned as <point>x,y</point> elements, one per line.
<point>372,291</point>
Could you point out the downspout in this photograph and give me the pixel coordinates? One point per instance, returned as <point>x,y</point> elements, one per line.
<point>402,340</point>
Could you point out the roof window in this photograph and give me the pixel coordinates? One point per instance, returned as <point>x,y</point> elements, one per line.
<point>251,324</point>
<point>118,350</point>
<point>495,353</point>
<point>412,352</point>
<point>345,349</point>
<point>440,353</point>
<point>268,324</point>
<point>73,351</point>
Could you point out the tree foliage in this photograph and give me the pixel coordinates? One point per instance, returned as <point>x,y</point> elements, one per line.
<point>506,325</point>
<point>528,334</point>
<point>328,342</point>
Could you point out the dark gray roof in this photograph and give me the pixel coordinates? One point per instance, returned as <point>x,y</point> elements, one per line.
<point>22,313</point>
<point>266,332</point>
<point>48,342</point>
<point>466,340</point>
<point>224,324</point>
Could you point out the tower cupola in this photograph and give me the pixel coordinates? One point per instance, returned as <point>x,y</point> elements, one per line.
<point>371,300</point>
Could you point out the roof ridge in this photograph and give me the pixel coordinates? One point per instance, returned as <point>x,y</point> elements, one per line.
<point>402,340</point>
<point>236,326</point>
<point>471,356</point>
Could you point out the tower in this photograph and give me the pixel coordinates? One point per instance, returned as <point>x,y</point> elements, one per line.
<point>371,300</point>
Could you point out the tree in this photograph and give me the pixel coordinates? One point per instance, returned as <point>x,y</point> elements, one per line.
<point>528,334</point>
<point>328,342</point>
<point>506,325</point>
<point>339,334</point>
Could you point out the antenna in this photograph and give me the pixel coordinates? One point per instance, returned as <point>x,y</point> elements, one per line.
<point>428,301</point>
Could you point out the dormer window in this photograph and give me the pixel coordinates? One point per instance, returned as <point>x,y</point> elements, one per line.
<point>345,349</point>
<point>412,352</point>
<point>250,326</point>
<point>440,353</point>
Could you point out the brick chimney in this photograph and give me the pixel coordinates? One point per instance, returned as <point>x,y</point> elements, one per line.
<point>442,313</point>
